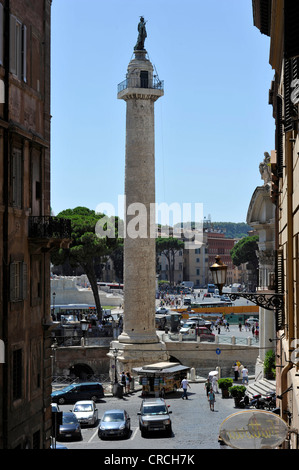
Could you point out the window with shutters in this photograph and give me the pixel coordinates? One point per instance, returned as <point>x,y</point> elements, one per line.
<point>279,276</point>
<point>18,281</point>
<point>17,178</point>
<point>279,135</point>
<point>18,49</point>
<point>291,76</point>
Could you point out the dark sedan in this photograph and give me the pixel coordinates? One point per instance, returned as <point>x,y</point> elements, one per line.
<point>70,427</point>
<point>114,423</point>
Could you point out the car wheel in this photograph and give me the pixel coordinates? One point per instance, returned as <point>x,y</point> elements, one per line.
<point>94,398</point>
<point>61,401</point>
<point>143,433</point>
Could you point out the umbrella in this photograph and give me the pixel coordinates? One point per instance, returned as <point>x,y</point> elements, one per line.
<point>213,372</point>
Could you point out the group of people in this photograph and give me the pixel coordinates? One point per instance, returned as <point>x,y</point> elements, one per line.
<point>126,379</point>
<point>240,370</point>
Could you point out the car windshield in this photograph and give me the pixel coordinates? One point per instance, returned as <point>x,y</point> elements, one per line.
<point>112,417</point>
<point>85,407</point>
<point>69,419</point>
<point>155,410</point>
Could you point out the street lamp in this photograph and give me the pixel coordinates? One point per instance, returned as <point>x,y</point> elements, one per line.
<point>219,271</point>
<point>117,388</point>
<point>84,326</point>
<point>53,308</point>
<point>271,301</point>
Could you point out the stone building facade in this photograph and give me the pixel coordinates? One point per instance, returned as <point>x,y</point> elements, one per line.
<point>279,20</point>
<point>27,231</point>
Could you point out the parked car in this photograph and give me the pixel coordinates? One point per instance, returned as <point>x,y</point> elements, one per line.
<point>114,423</point>
<point>207,294</point>
<point>55,408</point>
<point>205,334</point>
<point>162,310</point>
<point>189,325</point>
<point>75,392</point>
<point>252,321</point>
<point>86,412</point>
<point>70,427</point>
<point>154,416</point>
<point>225,298</point>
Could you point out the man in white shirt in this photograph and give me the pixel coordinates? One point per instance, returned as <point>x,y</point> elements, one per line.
<point>185,385</point>
<point>245,375</point>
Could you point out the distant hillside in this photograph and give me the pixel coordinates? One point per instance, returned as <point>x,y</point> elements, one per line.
<point>231,229</point>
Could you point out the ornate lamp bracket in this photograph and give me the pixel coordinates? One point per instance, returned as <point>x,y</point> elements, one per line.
<point>272,302</point>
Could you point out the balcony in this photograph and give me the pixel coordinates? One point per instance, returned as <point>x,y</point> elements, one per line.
<point>46,232</point>
<point>141,82</point>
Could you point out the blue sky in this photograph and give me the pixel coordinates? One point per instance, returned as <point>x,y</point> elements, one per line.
<point>213,123</point>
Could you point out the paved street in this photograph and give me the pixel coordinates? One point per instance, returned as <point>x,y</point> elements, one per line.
<point>194,425</point>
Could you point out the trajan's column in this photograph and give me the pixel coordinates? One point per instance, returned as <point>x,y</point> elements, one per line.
<point>139,344</point>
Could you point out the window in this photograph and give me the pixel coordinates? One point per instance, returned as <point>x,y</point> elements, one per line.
<point>18,281</point>
<point>17,179</point>
<point>18,48</point>
<point>17,374</point>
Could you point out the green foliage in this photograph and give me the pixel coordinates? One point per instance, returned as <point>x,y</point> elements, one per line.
<point>237,391</point>
<point>245,251</point>
<point>233,230</point>
<point>169,247</point>
<point>225,383</point>
<point>87,248</point>
<point>269,364</point>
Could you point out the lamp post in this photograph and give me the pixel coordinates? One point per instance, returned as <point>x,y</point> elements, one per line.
<point>84,327</point>
<point>273,301</point>
<point>219,271</point>
<point>117,388</point>
<point>53,308</point>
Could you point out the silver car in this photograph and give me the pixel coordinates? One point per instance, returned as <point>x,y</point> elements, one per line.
<point>86,412</point>
<point>114,423</point>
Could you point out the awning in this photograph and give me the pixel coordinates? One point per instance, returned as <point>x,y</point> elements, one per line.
<point>161,368</point>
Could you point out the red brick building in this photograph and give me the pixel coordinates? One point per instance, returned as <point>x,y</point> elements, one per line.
<point>217,244</point>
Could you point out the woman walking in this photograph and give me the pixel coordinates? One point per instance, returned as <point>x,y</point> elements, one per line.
<point>211,397</point>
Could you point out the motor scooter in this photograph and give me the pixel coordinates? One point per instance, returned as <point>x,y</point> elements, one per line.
<point>270,401</point>
<point>257,401</point>
<point>244,402</point>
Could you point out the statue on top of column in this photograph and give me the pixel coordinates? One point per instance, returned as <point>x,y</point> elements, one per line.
<point>141,35</point>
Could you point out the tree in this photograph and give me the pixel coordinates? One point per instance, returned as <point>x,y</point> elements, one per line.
<point>169,247</point>
<point>245,252</point>
<point>87,248</point>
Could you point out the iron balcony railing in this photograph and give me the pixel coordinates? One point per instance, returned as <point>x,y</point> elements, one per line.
<point>139,82</point>
<point>49,227</point>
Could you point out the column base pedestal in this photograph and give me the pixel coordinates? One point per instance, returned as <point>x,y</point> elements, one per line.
<point>135,355</point>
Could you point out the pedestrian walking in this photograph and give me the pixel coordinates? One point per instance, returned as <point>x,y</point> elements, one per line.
<point>208,385</point>
<point>236,371</point>
<point>123,380</point>
<point>245,375</point>
<point>185,385</point>
<point>211,398</point>
<point>128,381</point>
